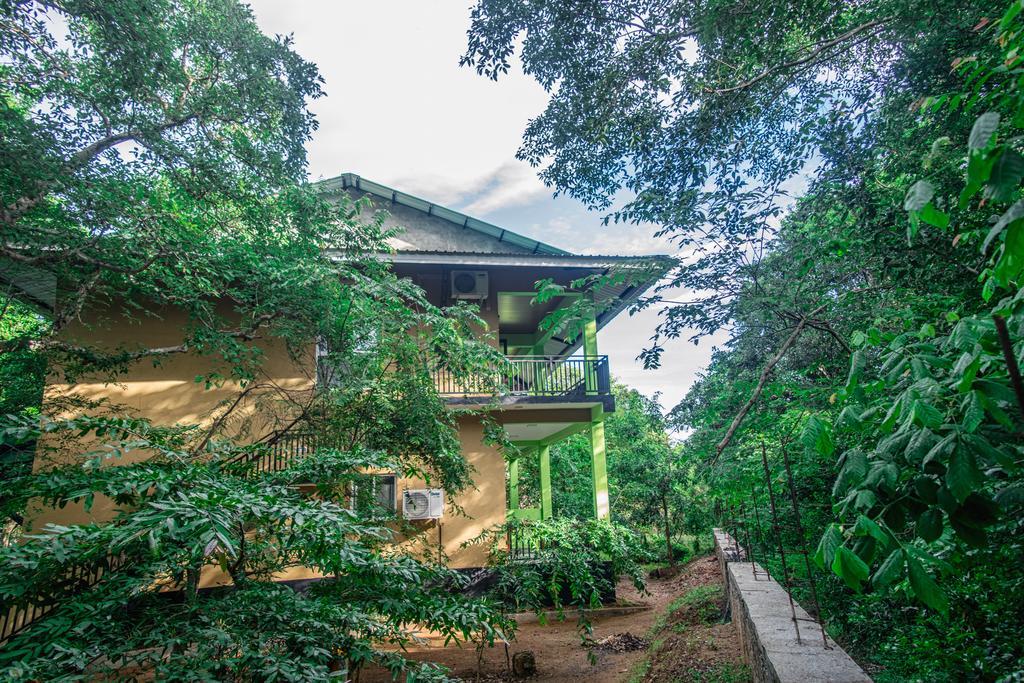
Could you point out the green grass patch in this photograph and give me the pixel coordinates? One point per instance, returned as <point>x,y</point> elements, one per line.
<point>661,622</point>
<point>703,602</point>
<point>725,672</point>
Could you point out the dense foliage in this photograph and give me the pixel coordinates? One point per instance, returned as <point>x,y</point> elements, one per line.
<point>153,163</point>
<point>874,323</point>
<point>564,563</point>
<point>186,517</point>
<point>646,482</point>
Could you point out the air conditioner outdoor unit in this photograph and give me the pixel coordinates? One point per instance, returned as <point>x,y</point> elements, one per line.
<point>422,503</point>
<point>469,284</point>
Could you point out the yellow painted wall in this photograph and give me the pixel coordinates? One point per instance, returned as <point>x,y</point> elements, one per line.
<point>483,505</point>
<point>166,393</point>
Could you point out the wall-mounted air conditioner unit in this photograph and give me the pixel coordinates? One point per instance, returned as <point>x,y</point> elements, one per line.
<point>469,284</point>
<point>422,503</point>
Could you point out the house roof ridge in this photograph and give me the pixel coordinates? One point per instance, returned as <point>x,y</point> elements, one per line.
<point>355,181</point>
<point>629,257</point>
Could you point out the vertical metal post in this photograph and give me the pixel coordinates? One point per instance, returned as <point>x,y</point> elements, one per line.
<point>734,532</point>
<point>760,533</point>
<point>778,538</point>
<point>746,540</point>
<point>803,542</point>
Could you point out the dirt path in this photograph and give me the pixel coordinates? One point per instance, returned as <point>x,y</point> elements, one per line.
<point>688,644</point>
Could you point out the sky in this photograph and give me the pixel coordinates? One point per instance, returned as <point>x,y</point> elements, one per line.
<point>401,111</point>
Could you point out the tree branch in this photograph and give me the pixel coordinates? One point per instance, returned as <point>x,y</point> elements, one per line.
<point>809,57</point>
<point>1011,361</point>
<point>765,374</point>
<point>12,212</point>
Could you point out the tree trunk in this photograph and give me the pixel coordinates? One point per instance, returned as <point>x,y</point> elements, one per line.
<point>668,532</point>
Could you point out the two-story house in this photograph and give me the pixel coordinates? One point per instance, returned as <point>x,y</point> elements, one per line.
<point>554,387</point>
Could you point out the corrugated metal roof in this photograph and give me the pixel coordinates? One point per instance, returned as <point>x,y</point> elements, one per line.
<point>347,181</point>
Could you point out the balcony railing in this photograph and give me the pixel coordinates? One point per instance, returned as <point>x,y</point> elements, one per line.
<point>533,377</point>
<point>15,618</point>
<point>280,455</point>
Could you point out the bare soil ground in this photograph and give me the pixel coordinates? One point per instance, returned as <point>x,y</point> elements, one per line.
<point>683,626</point>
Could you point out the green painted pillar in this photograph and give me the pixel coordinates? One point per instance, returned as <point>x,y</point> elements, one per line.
<point>545,482</point>
<point>513,485</point>
<point>590,336</point>
<point>590,351</point>
<point>599,464</point>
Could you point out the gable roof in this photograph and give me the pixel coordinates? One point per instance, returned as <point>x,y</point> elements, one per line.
<point>491,245</point>
<point>440,216</point>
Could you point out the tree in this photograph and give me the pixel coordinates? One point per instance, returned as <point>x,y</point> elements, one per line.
<point>873,323</point>
<point>152,159</point>
<point>169,147</point>
<point>706,116</point>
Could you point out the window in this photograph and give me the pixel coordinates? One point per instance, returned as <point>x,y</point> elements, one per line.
<point>375,493</point>
<point>384,491</point>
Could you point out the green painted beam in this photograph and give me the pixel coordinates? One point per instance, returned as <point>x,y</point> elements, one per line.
<point>545,482</point>
<point>590,337</point>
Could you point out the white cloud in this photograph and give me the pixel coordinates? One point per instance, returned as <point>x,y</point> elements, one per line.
<point>398,105</point>
<point>512,184</point>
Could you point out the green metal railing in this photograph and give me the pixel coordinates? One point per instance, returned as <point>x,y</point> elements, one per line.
<point>534,377</point>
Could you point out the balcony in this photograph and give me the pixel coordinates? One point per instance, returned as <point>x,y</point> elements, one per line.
<point>533,379</point>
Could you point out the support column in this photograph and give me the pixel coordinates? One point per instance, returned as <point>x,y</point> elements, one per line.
<point>545,482</point>
<point>590,352</point>
<point>599,465</point>
<point>513,484</point>
<point>590,336</point>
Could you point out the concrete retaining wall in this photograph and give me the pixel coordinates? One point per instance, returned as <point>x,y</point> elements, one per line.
<point>761,612</point>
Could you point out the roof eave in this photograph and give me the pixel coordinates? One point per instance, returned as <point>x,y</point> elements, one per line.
<point>347,181</point>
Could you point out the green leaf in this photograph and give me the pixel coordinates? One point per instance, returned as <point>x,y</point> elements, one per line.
<point>926,414</point>
<point>962,475</point>
<point>970,534</point>
<point>924,587</point>
<point>974,412</point>
<point>1011,215</point>
<point>940,450</point>
<point>890,570</point>
<point>984,128</point>
<point>929,525</point>
<point>855,468</point>
<point>817,436</point>
<point>968,372</point>
<point>932,216</point>
<point>856,367</point>
<point>1011,14</point>
<point>1006,175</point>
<point>830,541</point>
<point>1011,259</point>
<point>919,445</point>
<point>850,568</point>
<point>919,194</point>
<point>867,527</point>
<point>989,454</point>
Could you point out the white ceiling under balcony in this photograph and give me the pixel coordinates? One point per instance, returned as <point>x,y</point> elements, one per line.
<point>534,431</point>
